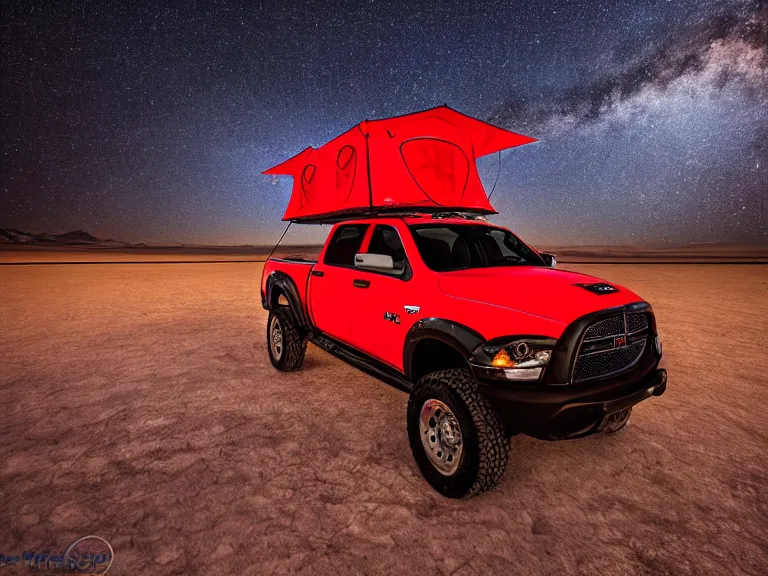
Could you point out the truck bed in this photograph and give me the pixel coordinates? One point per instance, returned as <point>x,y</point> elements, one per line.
<point>297,268</point>
<point>294,259</point>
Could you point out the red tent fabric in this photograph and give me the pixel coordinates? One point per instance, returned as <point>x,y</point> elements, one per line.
<point>423,161</point>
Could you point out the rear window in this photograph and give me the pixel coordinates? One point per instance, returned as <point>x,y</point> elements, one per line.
<point>346,242</point>
<point>463,246</point>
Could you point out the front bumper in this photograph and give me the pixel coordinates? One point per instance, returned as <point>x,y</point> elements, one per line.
<point>557,406</point>
<point>561,413</point>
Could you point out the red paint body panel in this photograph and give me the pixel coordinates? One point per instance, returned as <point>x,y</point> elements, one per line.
<point>334,300</point>
<point>535,291</point>
<point>422,160</point>
<point>298,271</point>
<point>369,332</point>
<point>499,301</point>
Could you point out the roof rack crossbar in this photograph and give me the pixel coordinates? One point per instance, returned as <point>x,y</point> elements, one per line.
<point>400,212</point>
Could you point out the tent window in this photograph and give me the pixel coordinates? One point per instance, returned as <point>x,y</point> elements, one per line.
<point>440,168</point>
<point>309,173</point>
<point>345,156</point>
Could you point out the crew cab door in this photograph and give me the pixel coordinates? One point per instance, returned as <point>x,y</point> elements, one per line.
<point>331,296</point>
<point>383,300</point>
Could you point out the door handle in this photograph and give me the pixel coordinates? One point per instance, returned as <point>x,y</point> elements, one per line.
<point>361,283</point>
<point>319,273</point>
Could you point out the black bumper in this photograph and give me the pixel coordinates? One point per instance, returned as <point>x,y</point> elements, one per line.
<point>560,412</point>
<point>558,407</point>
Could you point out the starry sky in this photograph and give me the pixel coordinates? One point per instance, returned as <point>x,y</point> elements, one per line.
<point>153,121</point>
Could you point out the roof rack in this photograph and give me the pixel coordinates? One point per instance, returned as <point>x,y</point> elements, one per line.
<point>463,215</point>
<point>392,213</point>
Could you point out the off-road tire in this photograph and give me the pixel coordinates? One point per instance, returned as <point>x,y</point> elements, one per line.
<point>293,347</point>
<point>485,446</point>
<point>617,425</point>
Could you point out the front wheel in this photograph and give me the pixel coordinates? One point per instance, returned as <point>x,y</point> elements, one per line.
<point>456,437</point>
<point>285,345</point>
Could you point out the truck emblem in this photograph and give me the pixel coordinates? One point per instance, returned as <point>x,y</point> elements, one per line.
<point>599,288</point>
<point>392,317</point>
<point>412,309</point>
<point>619,341</point>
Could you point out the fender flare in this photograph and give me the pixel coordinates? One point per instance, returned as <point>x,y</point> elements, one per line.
<point>461,338</point>
<point>287,286</point>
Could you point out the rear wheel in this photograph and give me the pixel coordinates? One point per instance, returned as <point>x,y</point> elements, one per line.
<point>456,438</point>
<point>285,345</point>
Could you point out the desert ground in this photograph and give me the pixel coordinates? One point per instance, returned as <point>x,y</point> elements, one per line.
<point>138,404</point>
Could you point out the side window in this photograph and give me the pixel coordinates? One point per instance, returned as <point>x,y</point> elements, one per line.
<point>345,244</point>
<point>512,248</point>
<point>435,244</point>
<point>507,246</point>
<point>386,240</point>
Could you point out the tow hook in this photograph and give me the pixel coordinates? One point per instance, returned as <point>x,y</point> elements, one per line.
<point>661,387</point>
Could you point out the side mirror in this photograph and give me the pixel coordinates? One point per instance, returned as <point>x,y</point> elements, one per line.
<point>549,259</point>
<point>380,262</point>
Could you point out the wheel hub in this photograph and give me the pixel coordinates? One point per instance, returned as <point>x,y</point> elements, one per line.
<point>441,436</point>
<point>276,340</point>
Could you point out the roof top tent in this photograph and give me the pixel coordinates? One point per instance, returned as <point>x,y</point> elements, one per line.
<point>422,162</point>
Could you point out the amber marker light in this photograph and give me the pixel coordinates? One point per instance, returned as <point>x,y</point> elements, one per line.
<point>502,359</point>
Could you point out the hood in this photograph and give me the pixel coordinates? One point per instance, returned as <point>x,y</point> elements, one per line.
<point>544,292</point>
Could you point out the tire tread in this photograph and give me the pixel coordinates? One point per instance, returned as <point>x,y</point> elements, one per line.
<point>492,442</point>
<point>294,346</point>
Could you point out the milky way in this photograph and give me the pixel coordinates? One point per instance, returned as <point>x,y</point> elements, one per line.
<point>153,121</point>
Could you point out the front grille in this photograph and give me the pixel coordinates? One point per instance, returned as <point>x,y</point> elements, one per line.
<point>636,322</point>
<point>609,327</point>
<point>611,346</point>
<point>609,362</point>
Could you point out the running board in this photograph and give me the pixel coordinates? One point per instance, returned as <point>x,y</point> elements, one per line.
<point>361,361</point>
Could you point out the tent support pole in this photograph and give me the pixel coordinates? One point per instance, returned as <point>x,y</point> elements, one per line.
<point>498,170</point>
<point>281,239</point>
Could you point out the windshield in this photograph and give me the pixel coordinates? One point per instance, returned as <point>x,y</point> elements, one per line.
<point>446,247</point>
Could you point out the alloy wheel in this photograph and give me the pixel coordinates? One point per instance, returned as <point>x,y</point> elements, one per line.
<point>441,436</point>
<point>276,339</point>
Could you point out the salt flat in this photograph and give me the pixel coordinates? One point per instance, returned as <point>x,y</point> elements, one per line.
<point>138,403</point>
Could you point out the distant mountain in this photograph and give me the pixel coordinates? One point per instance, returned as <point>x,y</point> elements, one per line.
<point>13,236</point>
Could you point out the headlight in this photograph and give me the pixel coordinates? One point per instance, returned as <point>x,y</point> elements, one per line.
<point>521,359</point>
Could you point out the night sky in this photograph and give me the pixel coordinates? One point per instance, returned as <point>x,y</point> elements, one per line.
<point>153,122</point>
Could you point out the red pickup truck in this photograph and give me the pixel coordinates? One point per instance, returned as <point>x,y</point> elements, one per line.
<point>486,336</point>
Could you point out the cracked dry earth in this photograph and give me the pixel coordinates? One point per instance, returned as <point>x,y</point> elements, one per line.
<point>138,404</point>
